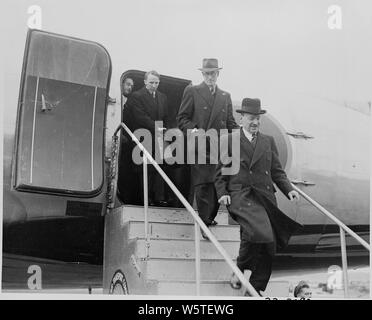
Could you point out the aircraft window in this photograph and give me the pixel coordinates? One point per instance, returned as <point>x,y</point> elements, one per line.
<point>61,115</point>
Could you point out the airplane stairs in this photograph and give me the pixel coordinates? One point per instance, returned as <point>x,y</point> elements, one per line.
<point>169,266</point>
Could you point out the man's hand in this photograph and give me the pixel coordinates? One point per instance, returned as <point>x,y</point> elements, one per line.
<point>162,129</point>
<point>194,130</point>
<point>293,195</point>
<point>226,200</point>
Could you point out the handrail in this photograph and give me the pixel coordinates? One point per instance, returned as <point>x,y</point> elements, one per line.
<point>343,229</point>
<point>333,218</point>
<point>196,217</point>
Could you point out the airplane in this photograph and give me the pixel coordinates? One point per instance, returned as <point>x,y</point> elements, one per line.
<point>57,157</point>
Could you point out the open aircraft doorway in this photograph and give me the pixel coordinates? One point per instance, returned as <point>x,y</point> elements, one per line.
<point>129,186</point>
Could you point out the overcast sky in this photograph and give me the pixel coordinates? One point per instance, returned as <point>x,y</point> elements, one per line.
<point>264,47</point>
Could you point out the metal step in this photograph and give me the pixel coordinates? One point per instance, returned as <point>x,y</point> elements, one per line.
<point>176,269</point>
<point>162,230</point>
<point>184,249</point>
<point>217,288</point>
<point>169,267</point>
<point>158,214</point>
<point>188,288</point>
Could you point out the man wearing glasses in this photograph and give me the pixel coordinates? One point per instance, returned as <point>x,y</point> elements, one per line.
<point>205,107</point>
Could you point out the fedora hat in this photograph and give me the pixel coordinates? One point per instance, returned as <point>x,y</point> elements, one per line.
<point>210,64</point>
<point>252,106</point>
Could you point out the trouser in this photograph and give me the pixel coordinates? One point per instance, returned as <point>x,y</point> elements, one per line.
<point>206,201</point>
<point>155,185</point>
<point>256,257</point>
<point>128,187</point>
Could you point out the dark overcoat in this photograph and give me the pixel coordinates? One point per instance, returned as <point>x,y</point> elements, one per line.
<point>252,191</point>
<point>202,110</point>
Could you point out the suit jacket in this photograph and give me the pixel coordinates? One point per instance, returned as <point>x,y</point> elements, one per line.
<point>126,117</point>
<point>200,109</point>
<point>143,110</point>
<point>253,202</point>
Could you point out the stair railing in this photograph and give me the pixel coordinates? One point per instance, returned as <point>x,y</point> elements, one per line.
<point>198,223</point>
<point>343,229</point>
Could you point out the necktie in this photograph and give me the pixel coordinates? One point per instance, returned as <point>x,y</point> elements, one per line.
<point>212,90</point>
<point>153,94</point>
<point>253,141</point>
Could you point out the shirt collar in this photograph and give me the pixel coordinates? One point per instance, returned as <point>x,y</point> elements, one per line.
<point>151,93</point>
<point>209,87</point>
<point>248,134</point>
<point>124,99</point>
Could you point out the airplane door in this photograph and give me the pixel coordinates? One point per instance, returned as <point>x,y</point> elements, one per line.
<point>61,116</point>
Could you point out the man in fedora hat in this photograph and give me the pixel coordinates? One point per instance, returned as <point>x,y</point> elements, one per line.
<point>205,107</point>
<point>250,199</point>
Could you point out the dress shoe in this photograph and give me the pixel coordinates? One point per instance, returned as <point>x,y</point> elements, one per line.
<point>204,235</point>
<point>214,222</point>
<point>162,203</point>
<point>235,282</point>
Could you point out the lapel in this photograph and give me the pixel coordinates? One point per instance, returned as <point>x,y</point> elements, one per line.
<point>160,104</point>
<point>205,93</point>
<point>150,104</point>
<point>217,106</point>
<point>147,97</point>
<point>262,144</point>
<point>246,148</point>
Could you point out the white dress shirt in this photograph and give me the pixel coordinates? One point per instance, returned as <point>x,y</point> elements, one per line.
<point>124,99</point>
<point>248,135</point>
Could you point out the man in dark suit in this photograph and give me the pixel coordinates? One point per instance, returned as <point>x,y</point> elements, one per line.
<point>127,85</point>
<point>249,196</point>
<point>205,106</point>
<point>146,106</point>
